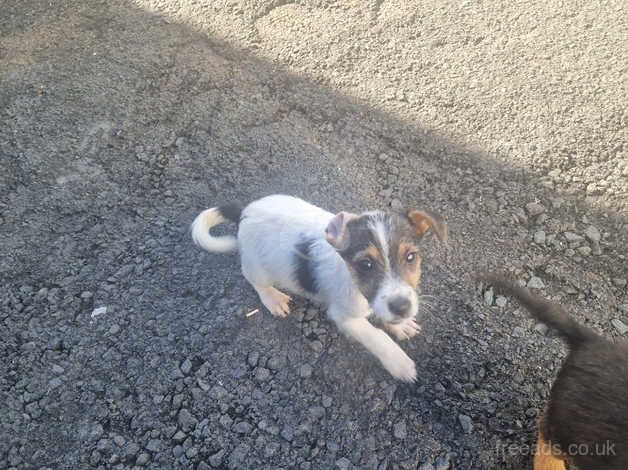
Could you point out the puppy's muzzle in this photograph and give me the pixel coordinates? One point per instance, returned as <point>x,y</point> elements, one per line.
<point>400,306</point>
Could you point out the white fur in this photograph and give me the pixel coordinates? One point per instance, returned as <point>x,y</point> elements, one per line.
<point>380,229</point>
<point>268,232</point>
<point>200,232</point>
<point>393,287</point>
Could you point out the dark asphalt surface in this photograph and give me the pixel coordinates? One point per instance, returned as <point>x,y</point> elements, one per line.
<point>118,125</point>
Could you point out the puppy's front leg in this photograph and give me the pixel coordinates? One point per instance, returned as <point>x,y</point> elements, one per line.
<point>381,345</point>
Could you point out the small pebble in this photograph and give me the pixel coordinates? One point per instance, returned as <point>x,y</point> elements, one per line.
<point>277,362</point>
<point>242,427</point>
<point>99,311</point>
<point>400,430</point>
<point>186,366</point>
<point>396,205</point>
<point>541,328</point>
<point>305,371</point>
<point>179,436</point>
<point>620,326</point>
<point>535,283</point>
<point>287,433</point>
<point>488,296</point>
<point>317,412</point>
<point>154,445</point>
<point>142,459</point>
<point>54,383</point>
<point>216,459</point>
<point>619,282</point>
<point>593,234</point>
<point>534,208</point>
<point>178,451</point>
<point>262,374</point>
<point>584,250</point>
<point>186,420</point>
<point>466,423</point>
<point>238,455</point>
<point>253,358</point>
<point>204,386</point>
<point>572,237</point>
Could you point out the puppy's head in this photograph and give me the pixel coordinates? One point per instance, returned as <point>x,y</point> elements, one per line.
<point>381,251</point>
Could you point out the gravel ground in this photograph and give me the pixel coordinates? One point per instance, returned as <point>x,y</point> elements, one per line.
<point>124,346</point>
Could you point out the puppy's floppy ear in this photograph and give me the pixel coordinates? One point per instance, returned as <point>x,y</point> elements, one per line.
<point>422,221</point>
<point>336,232</point>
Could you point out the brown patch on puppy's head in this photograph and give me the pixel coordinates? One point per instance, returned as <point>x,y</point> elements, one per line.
<point>409,262</point>
<point>373,253</point>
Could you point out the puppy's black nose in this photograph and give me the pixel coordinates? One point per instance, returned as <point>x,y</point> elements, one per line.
<point>399,306</point>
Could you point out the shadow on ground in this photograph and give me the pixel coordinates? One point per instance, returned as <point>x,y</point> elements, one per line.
<point>117,128</point>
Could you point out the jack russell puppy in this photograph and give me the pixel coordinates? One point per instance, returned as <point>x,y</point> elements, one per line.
<point>358,266</point>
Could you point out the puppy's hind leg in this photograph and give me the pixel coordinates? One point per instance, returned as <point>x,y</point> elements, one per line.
<point>274,300</point>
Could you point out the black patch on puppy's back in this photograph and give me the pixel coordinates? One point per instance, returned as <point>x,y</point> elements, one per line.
<point>305,266</point>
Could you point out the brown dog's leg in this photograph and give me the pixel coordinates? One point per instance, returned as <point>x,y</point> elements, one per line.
<point>547,457</point>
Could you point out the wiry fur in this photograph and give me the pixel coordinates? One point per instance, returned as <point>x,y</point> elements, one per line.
<point>588,403</point>
<point>285,244</point>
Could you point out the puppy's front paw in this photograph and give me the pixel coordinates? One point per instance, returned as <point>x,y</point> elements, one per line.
<point>275,301</point>
<point>401,367</point>
<point>404,330</point>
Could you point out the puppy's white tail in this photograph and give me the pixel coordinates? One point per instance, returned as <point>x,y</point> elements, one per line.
<point>210,218</point>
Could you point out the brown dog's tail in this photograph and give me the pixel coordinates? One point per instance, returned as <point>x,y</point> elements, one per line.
<point>550,313</point>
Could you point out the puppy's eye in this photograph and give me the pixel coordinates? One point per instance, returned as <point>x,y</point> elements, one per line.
<point>365,264</point>
<point>411,257</point>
